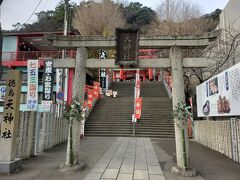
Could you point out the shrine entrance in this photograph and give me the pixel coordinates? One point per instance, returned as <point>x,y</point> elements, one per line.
<point>127,45</point>
<point>174,61</point>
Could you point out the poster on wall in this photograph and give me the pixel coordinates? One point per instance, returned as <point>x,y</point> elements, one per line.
<point>220,95</point>
<point>47,85</point>
<point>32,91</point>
<point>2,93</point>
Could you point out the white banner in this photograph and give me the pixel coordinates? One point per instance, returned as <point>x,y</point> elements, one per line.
<point>65,84</point>
<point>59,86</point>
<point>32,91</point>
<point>137,84</point>
<point>220,95</point>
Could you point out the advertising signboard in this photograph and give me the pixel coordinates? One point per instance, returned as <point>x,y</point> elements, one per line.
<point>220,95</point>
<point>2,93</point>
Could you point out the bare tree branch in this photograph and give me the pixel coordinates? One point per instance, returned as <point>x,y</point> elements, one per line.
<point>98,18</point>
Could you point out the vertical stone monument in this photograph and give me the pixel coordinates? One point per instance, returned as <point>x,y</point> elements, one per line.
<point>8,133</point>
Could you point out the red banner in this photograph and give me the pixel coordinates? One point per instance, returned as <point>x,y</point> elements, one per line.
<point>90,99</point>
<point>95,92</point>
<point>150,73</point>
<point>138,108</point>
<point>121,74</point>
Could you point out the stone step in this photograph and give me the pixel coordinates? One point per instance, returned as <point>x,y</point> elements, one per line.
<point>113,116</point>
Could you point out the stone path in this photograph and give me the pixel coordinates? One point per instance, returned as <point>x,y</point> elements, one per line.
<point>127,159</point>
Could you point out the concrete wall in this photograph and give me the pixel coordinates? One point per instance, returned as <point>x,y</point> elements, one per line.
<point>217,135</point>
<point>38,132</point>
<point>230,16</point>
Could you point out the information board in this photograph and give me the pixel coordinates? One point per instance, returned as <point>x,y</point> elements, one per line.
<point>220,95</point>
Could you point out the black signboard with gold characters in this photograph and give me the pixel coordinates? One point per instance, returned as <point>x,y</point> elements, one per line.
<point>127,44</point>
<point>48,81</point>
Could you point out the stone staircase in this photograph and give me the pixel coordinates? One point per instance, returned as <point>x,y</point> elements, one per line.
<point>112,116</point>
<point>156,112</point>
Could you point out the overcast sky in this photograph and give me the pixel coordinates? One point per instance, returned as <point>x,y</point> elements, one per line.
<point>13,11</point>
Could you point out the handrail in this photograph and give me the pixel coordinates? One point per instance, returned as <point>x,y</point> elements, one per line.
<point>24,55</point>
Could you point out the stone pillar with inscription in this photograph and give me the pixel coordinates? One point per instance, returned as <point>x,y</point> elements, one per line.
<point>8,161</point>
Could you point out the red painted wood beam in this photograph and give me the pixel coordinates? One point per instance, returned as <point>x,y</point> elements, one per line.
<point>10,64</point>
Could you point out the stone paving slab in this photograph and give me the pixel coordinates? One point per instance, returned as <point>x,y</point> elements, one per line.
<point>125,177</point>
<point>127,169</point>
<point>157,177</point>
<point>93,176</point>
<point>141,165</point>
<point>128,159</point>
<point>110,174</point>
<point>155,170</point>
<point>141,174</point>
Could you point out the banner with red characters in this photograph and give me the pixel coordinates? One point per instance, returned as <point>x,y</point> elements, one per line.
<point>138,108</point>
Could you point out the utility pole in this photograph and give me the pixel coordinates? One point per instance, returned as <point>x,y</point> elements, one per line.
<point>66,18</point>
<point>1,41</point>
<point>64,52</point>
<point>65,85</point>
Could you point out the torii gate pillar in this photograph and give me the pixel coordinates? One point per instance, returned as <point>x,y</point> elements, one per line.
<point>178,94</point>
<point>78,92</point>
